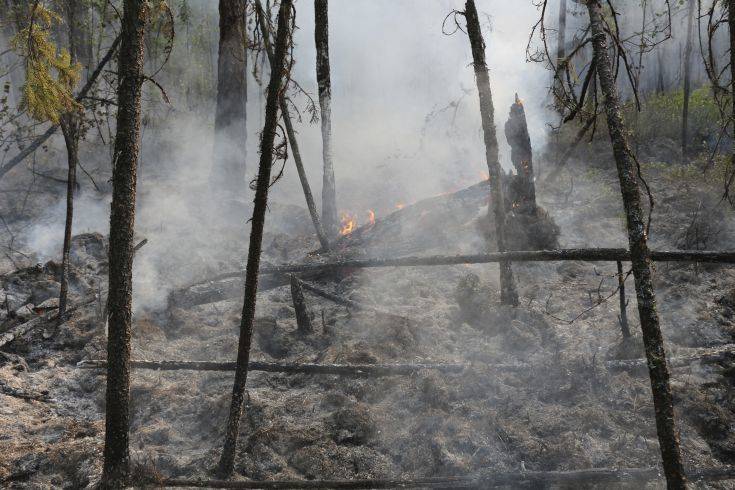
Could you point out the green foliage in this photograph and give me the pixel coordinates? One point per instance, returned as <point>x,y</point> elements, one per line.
<point>50,73</point>
<point>661,116</point>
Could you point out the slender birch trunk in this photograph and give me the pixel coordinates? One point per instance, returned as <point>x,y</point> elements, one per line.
<point>640,257</point>
<point>122,221</point>
<point>330,219</point>
<point>227,460</point>
<point>508,294</point>
<point>70,130</point>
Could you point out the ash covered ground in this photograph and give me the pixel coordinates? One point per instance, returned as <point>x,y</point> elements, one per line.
<point>565,411</point>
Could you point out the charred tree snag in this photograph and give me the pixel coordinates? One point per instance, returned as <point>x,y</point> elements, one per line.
<point>230,135</point>
<point>303,315</point>
<point>623,303</point>
<point>508,293</point>
<point>278,66</point>
<point>640,256</point>
<point>528,227</point>
<point>521,155</point>
<point>291,134</point>
<point>122,222</point>
<point>687,80</point>
<point>731,26</point>
<point>329,192</point>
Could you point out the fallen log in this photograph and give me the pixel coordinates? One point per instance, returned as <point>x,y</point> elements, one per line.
<point>8,390</point>
<point>289,368</point>
<point>576,478</point>
<point>581,254</point>
<point>347,302</point>
<point>709,356</point>
<point>26,327</point>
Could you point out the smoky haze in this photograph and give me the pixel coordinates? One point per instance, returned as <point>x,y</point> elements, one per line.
<point>406,126</point>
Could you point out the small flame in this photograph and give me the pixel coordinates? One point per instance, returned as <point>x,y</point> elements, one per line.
<point>371,217</point>
<point>484,175</point>
<point>400,205</point>
<point>348,223</point>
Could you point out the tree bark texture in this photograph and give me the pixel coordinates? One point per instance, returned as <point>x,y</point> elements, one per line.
<point>640,257</point>
<point>70,130</point>
<point>122,221</point>
<point>230,131</point>
<point>731,26</point>
<point>227,461</point>
<point>330,219</point>
<point>687,79</point>
<point>516,132</point>
<point>508,293</point>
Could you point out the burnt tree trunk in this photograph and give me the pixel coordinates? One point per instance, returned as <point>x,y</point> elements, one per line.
<point>731,26</point>
<point>561,40</point>
<point>329,192</point>
<point>230,135</point>
<point>227,461</point>
<point>508,292</point>
<point>70,130</point>
<point>122,221</point>
<point>516,132</point>
<point>640,257</point>
<point>291,134</point>
<point>687,80</point>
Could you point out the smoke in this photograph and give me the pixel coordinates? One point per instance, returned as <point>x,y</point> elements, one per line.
<point>406,126</point>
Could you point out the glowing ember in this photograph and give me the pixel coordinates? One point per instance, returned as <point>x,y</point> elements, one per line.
<point>348,223</point>
<point>400,205</point>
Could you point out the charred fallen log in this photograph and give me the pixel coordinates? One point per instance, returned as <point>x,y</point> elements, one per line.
<point>581,254</point>
<point>370,370</point>
<point>709,356</point>
<point>574,478</point>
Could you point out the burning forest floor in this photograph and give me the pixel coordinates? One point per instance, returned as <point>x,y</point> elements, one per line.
<point>560,408</point>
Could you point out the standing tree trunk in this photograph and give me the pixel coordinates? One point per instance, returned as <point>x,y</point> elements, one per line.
<point>70,130</point>
<point>731,26</point>
<point>508,294</point>
<point>521,155</point>
<point>640,257</point>
<point>329,192</point>
<point>230,135</point>
<point>278,66</point>
<point>291,134</point>
<point>687,80</point>
<point>562,34</point>
<point>70,127</point>
<point>122,222</point>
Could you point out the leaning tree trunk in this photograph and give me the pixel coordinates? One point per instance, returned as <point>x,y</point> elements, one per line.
<point>291,135</point>
<point>687,80</point>
<point>508,294</point>
<point>329,193</point>
<point>122,221</point>
<point>70,130</point>
<point>228,171</point>
<point>227,461</point>
<point>640,257</point>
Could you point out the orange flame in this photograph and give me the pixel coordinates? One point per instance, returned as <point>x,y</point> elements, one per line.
<point>348,222</point>
<point>400,205</point>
